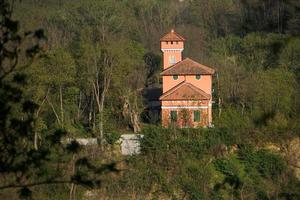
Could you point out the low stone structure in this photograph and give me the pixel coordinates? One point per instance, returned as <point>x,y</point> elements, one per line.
<point>81,141</point>
<point>130,144</point>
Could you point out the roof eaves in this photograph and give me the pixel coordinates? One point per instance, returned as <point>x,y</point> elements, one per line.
<point>175,34</point>
<point>172,66</point>
<point>208,70</point>
<point>170,91</point>
<point>198,90</point>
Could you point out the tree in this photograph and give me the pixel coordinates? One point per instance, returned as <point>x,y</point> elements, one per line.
<point>289,57</point>
<point>274,91</point>
<point>153,64</point>
<point>23,166</point>
<point>60,69</point>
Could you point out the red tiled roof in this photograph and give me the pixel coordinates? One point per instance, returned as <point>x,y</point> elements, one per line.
<point>188,67</point>
<point>172,36</point>
<point>185,91</point>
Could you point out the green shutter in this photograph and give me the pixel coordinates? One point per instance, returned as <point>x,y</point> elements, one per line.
<point>173,116</point>
<point>196,116</point>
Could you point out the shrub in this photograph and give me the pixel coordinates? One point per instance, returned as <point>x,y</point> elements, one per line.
<point>233,171</point>
<point>155,139</point>
<point>112,137</point>
<point>270,165</point>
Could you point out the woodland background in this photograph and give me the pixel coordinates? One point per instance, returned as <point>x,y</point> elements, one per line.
<point>99,55</point>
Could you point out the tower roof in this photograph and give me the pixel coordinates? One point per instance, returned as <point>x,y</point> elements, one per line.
<point>172,36</point>
<point>185,91</point>
<point>188,67</point>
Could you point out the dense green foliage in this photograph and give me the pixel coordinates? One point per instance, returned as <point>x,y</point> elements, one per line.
<point>102,54</point>
<point>23,162</point>
<point>202,164</point>
<point>98,58</point>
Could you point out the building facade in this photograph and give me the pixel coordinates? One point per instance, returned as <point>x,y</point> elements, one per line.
<point>186,85</point>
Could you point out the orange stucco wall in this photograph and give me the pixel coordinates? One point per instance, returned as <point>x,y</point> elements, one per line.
<point>185,109</point>
<point>185,118</point>
<point>185,103</point>
<point>169,82</point>
<point>170,49</point>
<point>167,54</point>
<point>204,83</point>
<point>175,45</point>
<point>185,113</point>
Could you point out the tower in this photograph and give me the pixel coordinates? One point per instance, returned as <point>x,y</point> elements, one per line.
<point>171,45</point>
<point>187,86</point>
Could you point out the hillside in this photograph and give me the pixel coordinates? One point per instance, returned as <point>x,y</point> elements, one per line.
<point>81,69</point>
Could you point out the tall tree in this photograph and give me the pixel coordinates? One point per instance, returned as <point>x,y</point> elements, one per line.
<point>23,166</point>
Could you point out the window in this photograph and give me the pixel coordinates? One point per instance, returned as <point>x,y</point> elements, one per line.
<point>196,116</point>
<point>175,77</point>
<point>171,42</point>
<point>177,42</point>
<point>172,60</point>
<point>173,116</point>
<point>198,76</point>
<point>167,42</point>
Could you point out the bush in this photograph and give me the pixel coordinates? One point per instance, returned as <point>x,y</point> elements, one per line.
<point>112,137</point>
<point>195,179</point>
<point>268,165</point>
<point>155,139</point>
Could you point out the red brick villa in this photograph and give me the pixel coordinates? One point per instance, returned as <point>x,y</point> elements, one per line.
<point>187,86</point>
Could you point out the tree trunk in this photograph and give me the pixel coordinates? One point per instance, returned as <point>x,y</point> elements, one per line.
<point>73,186</point>
<point>131,110</point>
<point>101,117</point>
<point>54,111</point>
<point>243,107</point>
<point>79,107</point>
<point>72,190</point>
<point>219,97</point>
<point>100,104</point>
<point>61,105</point>
<point>135,122</point>
<point>91,110</point>
<point>35,143</point>
<point>102,78</point>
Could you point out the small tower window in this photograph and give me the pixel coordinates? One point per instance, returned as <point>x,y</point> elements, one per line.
<point>171,42</point>
<point>175,77</point>
<point>172,60</point>
<point>173,116</point>
<point>196,116</point>
<point>198,76</point>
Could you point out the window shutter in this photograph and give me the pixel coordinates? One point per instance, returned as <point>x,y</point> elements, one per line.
<point>173,116</point>
<point>196,116</point>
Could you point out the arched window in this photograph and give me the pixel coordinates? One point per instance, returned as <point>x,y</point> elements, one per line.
<point>172,60</point>
<point>175,77</point>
